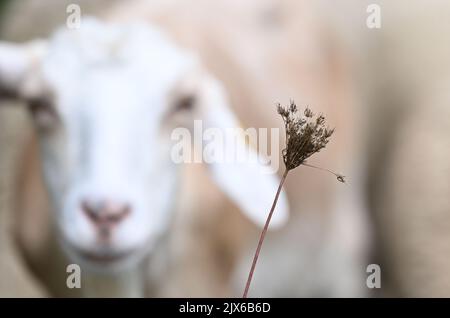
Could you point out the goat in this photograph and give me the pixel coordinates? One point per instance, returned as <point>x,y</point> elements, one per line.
<point>103,135</point>
<point>72,90</point>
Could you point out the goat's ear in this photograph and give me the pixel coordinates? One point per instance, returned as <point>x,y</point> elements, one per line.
<point>247,182</point>
<point>16,63</point>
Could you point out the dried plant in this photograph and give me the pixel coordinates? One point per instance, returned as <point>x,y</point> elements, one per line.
<point>305,136</point>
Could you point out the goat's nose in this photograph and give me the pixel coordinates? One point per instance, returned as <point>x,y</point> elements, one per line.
<point>105,213</point>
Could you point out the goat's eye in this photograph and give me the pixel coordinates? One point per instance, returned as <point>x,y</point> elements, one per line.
<point>185,103</point>
<point>43,112</point>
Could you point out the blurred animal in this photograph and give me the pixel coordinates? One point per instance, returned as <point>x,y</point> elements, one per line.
<point>103,130</point>
<point>409,147</point>
<point>100,132</point>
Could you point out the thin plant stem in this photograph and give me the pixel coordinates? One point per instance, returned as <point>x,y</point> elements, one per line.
<point>305,136</point>
<point>339,176</point>
<point>263,234</point>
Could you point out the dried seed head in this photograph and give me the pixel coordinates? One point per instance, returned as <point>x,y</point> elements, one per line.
<point>305,136</point>
<point>308,112</point>
<point>341,178</point>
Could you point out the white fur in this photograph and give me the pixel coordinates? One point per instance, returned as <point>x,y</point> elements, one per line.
<point>111,85</point>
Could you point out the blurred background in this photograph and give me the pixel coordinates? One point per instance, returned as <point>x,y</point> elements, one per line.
<point>393,141</point>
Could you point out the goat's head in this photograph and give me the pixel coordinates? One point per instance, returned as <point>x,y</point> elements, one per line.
<point>104,100</point>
